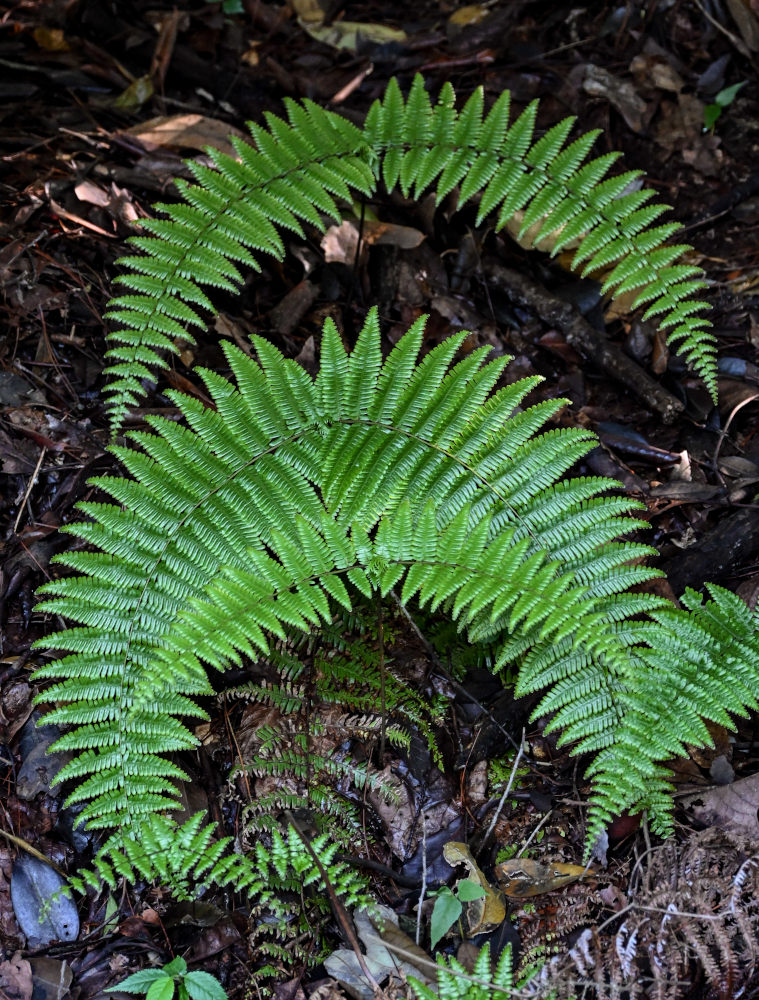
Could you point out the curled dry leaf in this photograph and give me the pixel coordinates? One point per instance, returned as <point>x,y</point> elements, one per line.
<point>728,807</point>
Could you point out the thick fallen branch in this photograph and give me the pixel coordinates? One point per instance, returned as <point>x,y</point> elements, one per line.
<point>584,339</point>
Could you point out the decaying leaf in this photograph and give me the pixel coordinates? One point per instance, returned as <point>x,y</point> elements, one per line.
<point>188,131</point>
<point>621,94</point>
<point>43,912</point>
<point>730,807</point>
<point>487,912</point>
<point>343,34</point>
<point>343,965</point>
<point>522,877</point>
<point>16,978</point>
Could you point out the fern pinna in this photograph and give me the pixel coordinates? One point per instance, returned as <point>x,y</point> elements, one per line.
<point>290,492</point>
<point>297,169</point>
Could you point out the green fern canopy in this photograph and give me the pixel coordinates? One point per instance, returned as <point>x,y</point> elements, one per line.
<point>289,494</point>
<point>298,172</point>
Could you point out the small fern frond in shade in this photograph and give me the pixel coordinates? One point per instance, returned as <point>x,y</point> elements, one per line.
<point>298,172</point>
<point>483,982</point>
<point>355,693</point>
<point>187,857</point>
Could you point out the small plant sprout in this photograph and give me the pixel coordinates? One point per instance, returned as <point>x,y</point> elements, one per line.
<point>170,981</point>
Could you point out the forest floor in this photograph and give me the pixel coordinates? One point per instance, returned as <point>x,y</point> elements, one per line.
<point>100,103</point>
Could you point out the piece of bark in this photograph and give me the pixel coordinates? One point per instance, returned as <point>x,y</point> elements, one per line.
<point>586,341</point>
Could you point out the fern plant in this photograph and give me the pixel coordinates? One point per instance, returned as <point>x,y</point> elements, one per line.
<point>277,504</point>
<point>290,491</point>
<point>298,168</point>
<point>327,688</point>
<point>484,983</point>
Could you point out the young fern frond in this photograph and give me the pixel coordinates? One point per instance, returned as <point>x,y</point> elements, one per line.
<point>187,857</point>
<point>302,743</point>
<point>455,983</point>
<point>290,494</point>
<point>297,169</point>
<point>715,646</point>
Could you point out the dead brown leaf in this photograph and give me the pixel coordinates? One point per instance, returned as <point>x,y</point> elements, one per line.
<point>679,128</point>
<point>652,70</point>
<point>52,977</point>
<point>50,39</point>
<point>728,807</point>
<point>388,234</point>
<point>621,94</point>
<point>339,243</point>
<point>747,20</point>
<point>16,978</point>
<point>188,131</point>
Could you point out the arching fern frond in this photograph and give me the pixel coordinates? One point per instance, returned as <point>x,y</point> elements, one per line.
<point>296,169</point>
<point>705,654</point>
<point>291,493</point>
<point>187,857</point>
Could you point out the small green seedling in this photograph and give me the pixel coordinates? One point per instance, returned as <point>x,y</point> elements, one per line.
<point>506,853</point>
<point>712,112</point>
<point>449,907</point>
<point>160,984</point>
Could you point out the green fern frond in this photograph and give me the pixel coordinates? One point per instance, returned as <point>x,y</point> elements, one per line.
<point>482,983</point>
<point>187,858</point>
<point>314,714</point>
<point>295,170</point>
<point>290,494</point>
<point>339,815</point>
<point>251,473</point>
<point>704,654</point>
